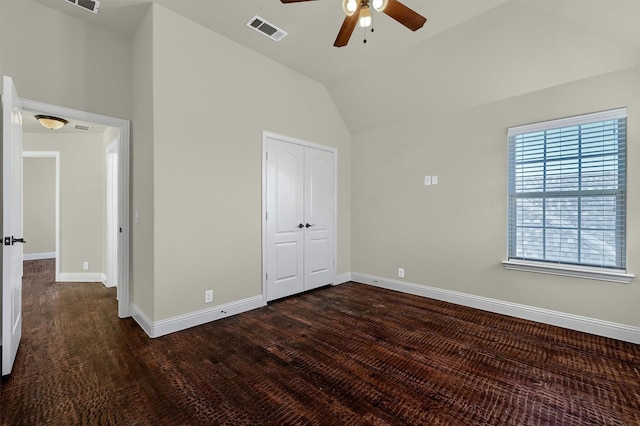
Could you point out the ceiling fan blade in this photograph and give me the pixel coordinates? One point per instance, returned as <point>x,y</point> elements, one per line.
<point>294,1</point>
<point>347,28</point>
<point>406,16</point>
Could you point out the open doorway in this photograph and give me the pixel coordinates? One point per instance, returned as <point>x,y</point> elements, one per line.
<point>41,196</point>
<point>114,162</point>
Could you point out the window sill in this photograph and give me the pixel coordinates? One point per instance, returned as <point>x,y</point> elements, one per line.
<point>569,271</point>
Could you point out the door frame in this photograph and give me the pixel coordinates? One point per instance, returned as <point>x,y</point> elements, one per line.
<point>266,135</point>
<point>111,237</point>
<point>123,126</point>
<point>56,156</point>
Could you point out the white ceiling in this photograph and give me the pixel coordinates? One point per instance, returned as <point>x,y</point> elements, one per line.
<point>461,56</point>
<point>312,27</point>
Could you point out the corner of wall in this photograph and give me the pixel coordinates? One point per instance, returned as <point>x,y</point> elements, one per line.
<point>142,182</point>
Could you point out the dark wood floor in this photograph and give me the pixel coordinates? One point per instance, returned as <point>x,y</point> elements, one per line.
<point>347,355</point>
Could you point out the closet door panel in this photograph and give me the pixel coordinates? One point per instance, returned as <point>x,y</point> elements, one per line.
<point>319,218</point>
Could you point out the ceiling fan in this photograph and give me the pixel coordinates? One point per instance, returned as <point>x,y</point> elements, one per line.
<point>359,11</point>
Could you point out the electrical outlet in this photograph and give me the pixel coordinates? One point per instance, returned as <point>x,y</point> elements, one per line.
<point>208,296</point>
<point>400,272</point>
<point>85,265</point>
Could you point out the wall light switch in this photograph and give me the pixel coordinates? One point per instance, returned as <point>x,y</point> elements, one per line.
<point>427,180</point>
<point>434,180</point>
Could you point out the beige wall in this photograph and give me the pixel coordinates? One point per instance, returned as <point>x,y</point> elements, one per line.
<point>453,235</point>
<point>39,204</point>
<point>212,98</point>
<point>142,233</point>
<point>82,197</point>
<point>91,71</point>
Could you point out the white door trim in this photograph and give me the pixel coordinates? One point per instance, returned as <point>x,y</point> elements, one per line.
<point>123,127</point>
<point>56,156</point>
<point>111,237</point>
<point>266,135</point>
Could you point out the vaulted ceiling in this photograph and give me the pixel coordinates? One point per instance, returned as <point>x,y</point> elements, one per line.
<point>469,52</point>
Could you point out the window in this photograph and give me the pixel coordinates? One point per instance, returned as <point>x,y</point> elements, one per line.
<point>567,191</point>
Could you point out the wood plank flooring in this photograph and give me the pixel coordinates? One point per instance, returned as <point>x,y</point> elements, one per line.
<point>346,355</point>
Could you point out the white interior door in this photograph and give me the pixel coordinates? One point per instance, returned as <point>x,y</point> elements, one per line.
<point>319,218</point>
<point>300,218</point>
<point>285,213</point>
<point>12,252</point>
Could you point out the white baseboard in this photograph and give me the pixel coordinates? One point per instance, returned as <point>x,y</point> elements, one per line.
<point>142,319</point>
<point>39,256</point>
<point>104,281</point>
<point>545,316</point>
<point>192,319</point>
<point>343,278</point>
<point>81,277</point>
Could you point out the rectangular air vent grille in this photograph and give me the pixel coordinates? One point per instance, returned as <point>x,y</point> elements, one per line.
<point>266,28</point>
<point>90,5</point>
<point>82,127</point>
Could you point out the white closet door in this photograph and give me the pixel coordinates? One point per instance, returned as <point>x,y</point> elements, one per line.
<point>300,218</point>
<point>285,212</point>
<point>319,218</point>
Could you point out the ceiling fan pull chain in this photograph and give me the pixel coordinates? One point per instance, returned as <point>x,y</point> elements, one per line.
<point>364,29</point>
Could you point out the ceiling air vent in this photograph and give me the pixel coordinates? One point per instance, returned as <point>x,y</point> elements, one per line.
<point>90,5</point>
<point>266,28</point>
<point>82,127</point>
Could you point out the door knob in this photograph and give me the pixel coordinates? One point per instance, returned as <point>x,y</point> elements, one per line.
<point>308,225</point>
<point>17,240</point>
<point>300,226</point>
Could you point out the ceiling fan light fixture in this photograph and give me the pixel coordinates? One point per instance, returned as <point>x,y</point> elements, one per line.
<point>380,5</point>
<point>365,17</point>
<point>359,13</point>
<point>51,122</point>
<point>349,6</point>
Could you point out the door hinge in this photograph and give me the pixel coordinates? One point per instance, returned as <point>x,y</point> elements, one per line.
<point>266,216</point>
<point>266,155</point>
<point>266,276</point>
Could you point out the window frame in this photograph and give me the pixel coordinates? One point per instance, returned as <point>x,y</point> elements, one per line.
<point>603,273</point>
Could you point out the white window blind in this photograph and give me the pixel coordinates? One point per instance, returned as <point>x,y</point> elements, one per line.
<point>567,191</point>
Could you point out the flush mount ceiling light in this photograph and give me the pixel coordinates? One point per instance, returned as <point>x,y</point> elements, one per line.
<point>51,122</point>
<point>359,13</point>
